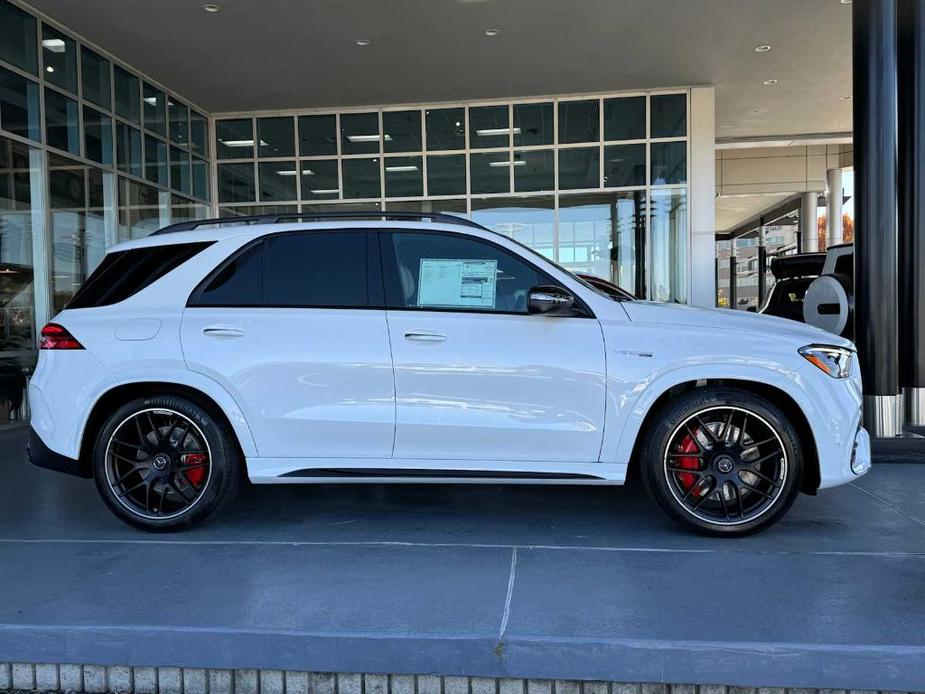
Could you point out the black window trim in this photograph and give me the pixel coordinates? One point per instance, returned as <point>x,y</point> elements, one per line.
<point>389,263</point>
<point>374,286</point>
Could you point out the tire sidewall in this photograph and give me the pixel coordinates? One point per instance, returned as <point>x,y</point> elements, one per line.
<point>225,463</point>
<point>675,413</point>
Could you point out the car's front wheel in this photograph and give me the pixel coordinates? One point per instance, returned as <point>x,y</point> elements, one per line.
<point>722,461</point>
<point>165,463</point>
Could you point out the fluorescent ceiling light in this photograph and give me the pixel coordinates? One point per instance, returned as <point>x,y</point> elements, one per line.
<point>293,172</point>
<point>241,143</point>
<point>486,132</point>
<point>399,169</point>
<point>326,191</point>
<point>519,162</point>
<point>150,100</point>
<point>367,138</point>
<point>54,45</point>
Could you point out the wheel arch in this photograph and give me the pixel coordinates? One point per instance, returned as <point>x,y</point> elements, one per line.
<point>122,393</point>
<point>811,480</point>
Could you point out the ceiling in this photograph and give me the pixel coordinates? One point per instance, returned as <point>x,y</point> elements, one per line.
<point>736,209</point>
<point>287,54</point>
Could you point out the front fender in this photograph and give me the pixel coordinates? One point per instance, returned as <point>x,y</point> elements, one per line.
<point>630,401</point>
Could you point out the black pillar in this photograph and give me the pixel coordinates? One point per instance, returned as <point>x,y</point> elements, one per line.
<point>875,244</point>
<point>762,274</point>
<point>911,78</point>
<point>733,285</point>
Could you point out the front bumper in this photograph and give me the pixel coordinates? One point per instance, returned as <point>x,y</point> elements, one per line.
<point>41,455</point>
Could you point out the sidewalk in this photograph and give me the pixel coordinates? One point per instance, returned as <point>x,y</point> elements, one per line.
<point>526,581</point>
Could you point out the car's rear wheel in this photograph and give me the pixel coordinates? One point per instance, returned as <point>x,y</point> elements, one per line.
<point>722,461</point>
<point>165,463</point>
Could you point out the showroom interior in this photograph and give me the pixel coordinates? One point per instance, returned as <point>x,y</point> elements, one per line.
<point>676,176</point>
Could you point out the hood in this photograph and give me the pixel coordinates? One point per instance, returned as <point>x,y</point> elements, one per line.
<point>733,321</point>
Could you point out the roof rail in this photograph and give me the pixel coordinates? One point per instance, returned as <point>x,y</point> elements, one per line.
<point>321,216</point>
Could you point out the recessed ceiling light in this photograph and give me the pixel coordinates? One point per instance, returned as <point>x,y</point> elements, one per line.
<point>212,8</point>
<point>763,48</point>
<point>492,32</point>
<point>363,42</point>
<point>770,83</point>
<point>49,69</point>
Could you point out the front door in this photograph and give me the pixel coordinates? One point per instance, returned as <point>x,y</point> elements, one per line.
<point>477,378</point>
<point>286,327</point>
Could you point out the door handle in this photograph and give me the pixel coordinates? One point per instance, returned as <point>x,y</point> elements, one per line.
<point>223,331</point>
<point>424,336</point>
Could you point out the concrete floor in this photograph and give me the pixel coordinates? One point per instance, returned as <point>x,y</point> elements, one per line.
<point>521,581</point>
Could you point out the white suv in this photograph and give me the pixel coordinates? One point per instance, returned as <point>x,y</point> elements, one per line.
<point>424,348</point>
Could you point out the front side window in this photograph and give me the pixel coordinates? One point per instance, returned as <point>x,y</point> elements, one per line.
<point>439,271</point>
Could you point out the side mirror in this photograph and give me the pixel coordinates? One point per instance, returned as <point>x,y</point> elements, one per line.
<point>550,300</point>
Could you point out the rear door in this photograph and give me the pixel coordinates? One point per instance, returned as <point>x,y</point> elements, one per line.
<point>293,327</point>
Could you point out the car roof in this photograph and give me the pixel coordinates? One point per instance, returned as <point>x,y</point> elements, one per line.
<point>213,231</point>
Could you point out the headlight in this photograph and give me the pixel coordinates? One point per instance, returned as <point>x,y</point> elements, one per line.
<point>835,361</point>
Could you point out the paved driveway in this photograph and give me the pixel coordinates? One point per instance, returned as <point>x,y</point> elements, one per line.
<point>557,582</point>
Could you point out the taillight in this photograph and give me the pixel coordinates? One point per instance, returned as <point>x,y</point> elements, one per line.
<point>56,336</point>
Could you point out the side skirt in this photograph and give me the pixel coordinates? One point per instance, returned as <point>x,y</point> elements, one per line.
<point>405,471</point>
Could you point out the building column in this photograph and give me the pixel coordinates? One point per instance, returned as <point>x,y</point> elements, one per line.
<point>911,90</point>
<point>702,197</point>
<point>833,208</point>
<point>875,243</point>
<point>762,264</point>
<point>809,231</point>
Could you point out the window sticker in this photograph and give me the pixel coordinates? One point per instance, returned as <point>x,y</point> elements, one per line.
<point>457,283</point>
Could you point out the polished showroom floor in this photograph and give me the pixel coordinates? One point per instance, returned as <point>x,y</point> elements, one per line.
<point>557,582</point>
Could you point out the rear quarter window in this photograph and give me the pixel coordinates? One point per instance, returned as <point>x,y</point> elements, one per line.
<point>125,273</point>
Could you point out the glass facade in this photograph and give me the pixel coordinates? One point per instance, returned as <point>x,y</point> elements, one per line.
<point>597,183</point>
<point>90,154</point>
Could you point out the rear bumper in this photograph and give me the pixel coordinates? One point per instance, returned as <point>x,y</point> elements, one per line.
<point>41,455</point>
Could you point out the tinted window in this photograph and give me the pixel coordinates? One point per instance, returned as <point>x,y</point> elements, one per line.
<point>444,272</point>
<point>237,283</point>
<point>125,273</point>
<point>317,269</point>
<point>844,265</point>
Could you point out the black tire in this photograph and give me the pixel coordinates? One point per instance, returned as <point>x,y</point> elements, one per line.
<point>684,461</point>
<point>189,487</point>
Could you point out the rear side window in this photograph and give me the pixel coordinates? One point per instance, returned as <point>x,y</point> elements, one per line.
<point>316,269</point>
<point>238,283</point>
<point>125,273</point>
<point>300,270</point>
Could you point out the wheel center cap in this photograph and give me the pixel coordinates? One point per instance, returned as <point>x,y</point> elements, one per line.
<point>725,464</point>
<point>161,461</point>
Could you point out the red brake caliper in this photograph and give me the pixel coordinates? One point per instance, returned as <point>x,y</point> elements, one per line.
<point>688,445</point>
<point>196,475</point>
